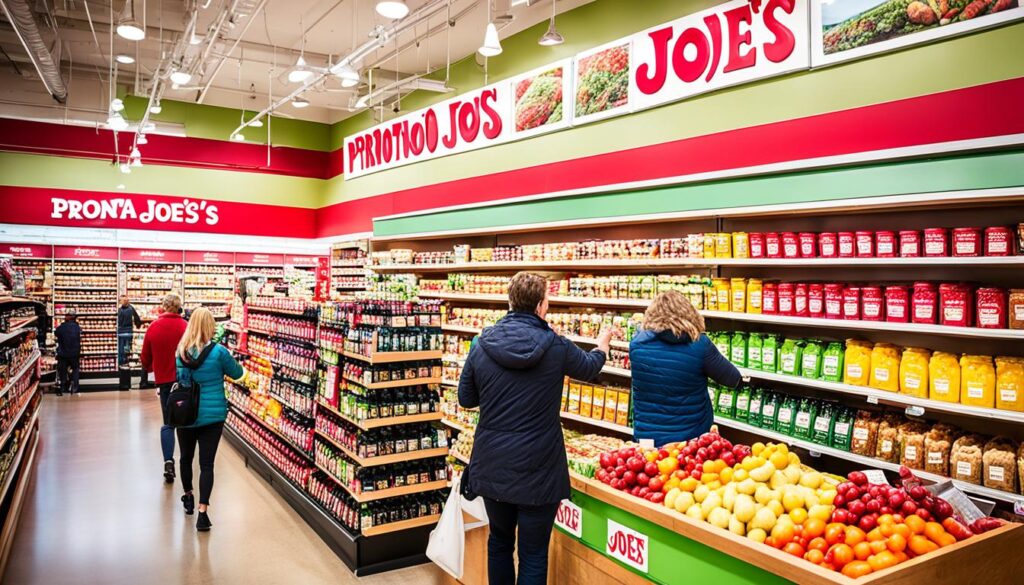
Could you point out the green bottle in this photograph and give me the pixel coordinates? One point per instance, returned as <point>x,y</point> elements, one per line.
<point>790,356</point>
<point>784,416</point>
<point>821,432</point>
<point>832,362</point>
<point>842,428</point>
<point>738,346</point>
<point>742,404</point>
<point>754,411</point>
<point>770,354</point>
<point>803,419</point>
<point>754,351</point>
<point>769,406</point>
<point>810,364</point>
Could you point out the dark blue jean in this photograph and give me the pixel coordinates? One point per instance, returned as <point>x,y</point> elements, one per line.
<point>166,430</point>
<point>534,523</point>
<point>124,347</point>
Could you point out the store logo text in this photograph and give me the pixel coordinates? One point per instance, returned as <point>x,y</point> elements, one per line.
<point>187,211</point>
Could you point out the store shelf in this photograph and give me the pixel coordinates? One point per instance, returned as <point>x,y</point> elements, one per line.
<point>454,383</point>
<point>406,490</point>
<point>15,332</point>
<point>617,371</point>
<point>208,301</point>
<point>390,357</point>
<point>92,288</point>
<point>394,383</point>
<point>598,423</point>
<point>457,426</point>
<point>110,301</point>
<point>283,337</point>
<point>302,453</point>
<point>24,368</point>
<point>24,322</point>
<point>374,423</point>
<point>189,287</point>
<point>461,329</point>
<point>12,471</point>
<point>385,459</point>
<point>17,417</point>
<point>111,272</point>
<point>299,314</point>
<point>459,457</point>
<point>402,525</point>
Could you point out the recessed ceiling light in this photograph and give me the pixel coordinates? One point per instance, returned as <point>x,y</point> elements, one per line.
<point>300,102</point>
<point>393,9</point>
<point>125,59</point>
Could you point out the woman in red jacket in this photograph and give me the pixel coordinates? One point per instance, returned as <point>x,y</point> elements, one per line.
<point>158,354</point>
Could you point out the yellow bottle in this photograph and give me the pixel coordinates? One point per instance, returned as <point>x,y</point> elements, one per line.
<point>857,363</point>
<point>977,381</point>
<point>944,377</point>
<point>914,372</point>
<point>1010,383</point>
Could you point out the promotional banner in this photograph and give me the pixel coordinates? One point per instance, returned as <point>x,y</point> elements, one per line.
<point>539,99</point>
<point>147,255</point>
<point>248,259</point>
<point>322,292</point>
<point>27,250</point>
<point>300,260</point>
<point>84,253</point>
<point>850,29</point>
<point>196,257</point>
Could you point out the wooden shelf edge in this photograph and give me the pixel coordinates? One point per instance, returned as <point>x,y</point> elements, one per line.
<point>385,459</point>
<point>395,383</point>
<point>31,362</point>
<point>402,525</point>
<point>390,357</point>
<point>374,423</point>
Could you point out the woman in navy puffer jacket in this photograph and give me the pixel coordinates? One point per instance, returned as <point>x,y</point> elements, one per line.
<point>671,361</point>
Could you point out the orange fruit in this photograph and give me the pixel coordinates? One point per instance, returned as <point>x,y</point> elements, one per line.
<point>875,534</point>
<point>896,543</point>
<point>885,519</point>
<point>814,527</point>
<point>862,551</point>
<point>877,546</point>
<point>915,523</point>
<point>903,530</point>
<point>882,560</point>
<point>920,545</point>
<point>934,531</point>
<point>901,557</point>
<point>818,543</point>
<point>783,534</point>
<point>887,529</point>
<point>841,554</point>
<point>835,532</point>
<point>815,556</point>
<point>794,549</point>
<point>857,569</point>
<point>897,518</point>
<point>946,539</point>
<point>854,535</point>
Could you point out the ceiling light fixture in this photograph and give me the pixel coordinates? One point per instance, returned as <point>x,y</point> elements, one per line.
<point>156,108</point>
<point>125,59</point>
<point>142,139</point>
<point>238,137</point>
<point>136,163</point>
<point>181,77</point>
<point>393,9</point>
<point>195,39</point>
<point>116,105</point>
<point>128,27</point>
<point>117,122</point>
<point>492,45</point>
<point>347,74</point>
<point>300,102</point>
<point>300,71</point>
<point>362,101</point>
<point>256,123</point>
<point>551,37</point>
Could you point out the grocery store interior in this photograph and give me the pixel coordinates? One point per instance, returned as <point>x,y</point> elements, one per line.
<point>348,189</point>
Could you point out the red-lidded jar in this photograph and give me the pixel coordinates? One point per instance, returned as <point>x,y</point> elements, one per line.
<point>872,303</point>
<point>910,243</point>
<point>991,308</point>
<point>800,299</point>
<point>851,302</point>
<point>790,245</point>
<point>786,294</point>
<point>897,303</point>
<point>756,244</point>
<point>936,242</point>
<point>808,245</point>
<point>828,244</point>
<point>885,244</point>
<point>923,303</point>
<point>846,245</point>
<point>770,298</point>
<point>967,241</point>
<point>998,241</point>
<point>833,301</point>
<point>772,245</point>
<point>955,307</point>
<point>816,300</point>
<point>865,244</point>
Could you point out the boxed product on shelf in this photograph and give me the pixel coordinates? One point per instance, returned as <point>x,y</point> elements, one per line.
<point>599,402</point>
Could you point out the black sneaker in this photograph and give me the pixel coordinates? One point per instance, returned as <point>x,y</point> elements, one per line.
<point>169,471</point>
<point>203,523</point>
<point>190,503</point>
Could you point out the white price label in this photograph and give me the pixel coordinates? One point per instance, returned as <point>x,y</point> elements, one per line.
<point>872,400</point>
<point>813,453</point>
<point>915,411</point>
<point>570,518</point>
<point>876,476</point>
<point>627,545</point>
<point>646,443</point>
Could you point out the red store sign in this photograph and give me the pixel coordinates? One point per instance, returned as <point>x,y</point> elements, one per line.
<point>247,259</point>
<point>84,253</point>
<point>147,255</point>
<point>194,257</point>
<point>27,250</point>
<point>300,260</point>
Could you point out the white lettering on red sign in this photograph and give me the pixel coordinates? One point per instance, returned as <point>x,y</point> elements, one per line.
<point>570,518</point>
<point>87,252</point>
<point>627,545</point>
<point>187,211</point>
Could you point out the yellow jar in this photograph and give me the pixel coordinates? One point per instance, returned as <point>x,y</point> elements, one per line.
<point>1010,383</point>
<point>740,245</point>
<point>723,294</point>
<point>885,367</point>
<point>977,381</point>
<point>723,245</point>
<point>914,372</point>
<point>944,377</point>
<point>857,363</point>
<point>709,245</point>
<point>754,296</point>
<point>739,295</point>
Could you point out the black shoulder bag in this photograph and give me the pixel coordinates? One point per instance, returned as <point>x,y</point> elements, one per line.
<point>183,400</point>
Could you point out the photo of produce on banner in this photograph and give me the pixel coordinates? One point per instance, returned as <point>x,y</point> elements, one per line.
<point>847,25</point>
<point>539,99</point>
<point>602,81</point>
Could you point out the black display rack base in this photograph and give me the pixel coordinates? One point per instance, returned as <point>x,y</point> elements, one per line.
<point>363,555</point>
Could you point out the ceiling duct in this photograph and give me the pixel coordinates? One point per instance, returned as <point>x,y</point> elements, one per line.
<point>47,63</point>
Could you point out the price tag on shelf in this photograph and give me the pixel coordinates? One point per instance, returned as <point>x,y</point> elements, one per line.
<point>915,411</point>
<point>813,453</point>
<point>1018,507</point>
<point>627,545</point>
<point>876,476</point>
<point>647,443</point>
<point>872,400</point>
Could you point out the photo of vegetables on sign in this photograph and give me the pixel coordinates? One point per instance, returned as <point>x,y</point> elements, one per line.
<point>602,81</point>
<point>848,29</point>
<point>539,99</point>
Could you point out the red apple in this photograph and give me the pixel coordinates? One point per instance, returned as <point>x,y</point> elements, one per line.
<point>868,523</point>
<point>839,500</point>
<point>840,515</point>
<point>642,479</point>
<point>858,477</point>
<point>651,468</point>
<point>857,508</point>
<point>635,491</point>
<point>656,484</point>
<point>908,507</point>
<point>635,464</point>
<point>695,474</point>
<point>924,514</point>
<point>873,506</point>
<point>657,497</point>
<point>644,491</point>
<point>620,471</point>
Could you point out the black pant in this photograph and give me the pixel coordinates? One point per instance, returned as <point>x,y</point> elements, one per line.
<point>208,438</point>
<point>535,523</point>
<point>67,374</point>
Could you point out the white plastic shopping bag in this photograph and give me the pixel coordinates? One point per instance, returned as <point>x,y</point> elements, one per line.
<point>447,544</point>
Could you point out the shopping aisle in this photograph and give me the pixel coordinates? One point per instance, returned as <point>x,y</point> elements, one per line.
<point>99,512</point>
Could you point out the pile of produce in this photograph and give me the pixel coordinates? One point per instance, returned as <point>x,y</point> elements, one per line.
<point>539,100</point>
<point>602,81</point>
<point>583,451</point>
<point>764,492</point>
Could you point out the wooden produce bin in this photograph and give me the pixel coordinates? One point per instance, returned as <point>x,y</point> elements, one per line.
<point>684,550</point>
<point>474,560</point>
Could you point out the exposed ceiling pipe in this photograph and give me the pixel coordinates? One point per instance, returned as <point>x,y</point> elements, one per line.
<point>224,58</point>
<point>19,14</point>
<point>431,32</point>
<point>366,49</point>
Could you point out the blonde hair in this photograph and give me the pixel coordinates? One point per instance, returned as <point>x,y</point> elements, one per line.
<point>672,311</point>
<point>199,332</point>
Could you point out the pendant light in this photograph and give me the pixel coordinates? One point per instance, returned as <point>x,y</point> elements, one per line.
<point>256,123</point>
<point>181,78</point>
<point>116,105</point>
<point>156,108</point>
<point>127,26</point>
<point>300,102</point>
<point>551,37</point>
<point>124,59</point>
<point>492,45</point>
<point>393,9</point>
<point>347,74</point>
<point>300,71</point>
<point>238,137</point>
<point>142,139</point>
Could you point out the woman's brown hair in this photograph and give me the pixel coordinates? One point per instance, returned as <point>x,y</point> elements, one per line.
<point>672,311</point>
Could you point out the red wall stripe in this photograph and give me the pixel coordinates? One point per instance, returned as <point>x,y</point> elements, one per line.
<point>86,142</point>
<point>888,125</point>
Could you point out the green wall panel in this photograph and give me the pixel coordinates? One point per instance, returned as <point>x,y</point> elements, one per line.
<point>1004,169</point>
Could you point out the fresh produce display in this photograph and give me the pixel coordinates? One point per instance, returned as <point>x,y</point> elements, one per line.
<point>765,493</point>
<point>584,451</point>
<point>539,100</point>
<point>602,81</point>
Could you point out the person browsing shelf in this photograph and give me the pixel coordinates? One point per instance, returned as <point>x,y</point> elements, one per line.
<point>127,320</point>
<point>159,348</point>
<point>69,352</point>
<point>671,360</point>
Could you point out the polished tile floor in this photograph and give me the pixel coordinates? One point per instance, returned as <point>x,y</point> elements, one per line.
<point>99,512</point>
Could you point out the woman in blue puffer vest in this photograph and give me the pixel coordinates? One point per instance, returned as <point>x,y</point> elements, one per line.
<point>671,361</point>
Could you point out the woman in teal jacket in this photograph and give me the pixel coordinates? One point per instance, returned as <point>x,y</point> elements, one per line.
<point>213,408</point>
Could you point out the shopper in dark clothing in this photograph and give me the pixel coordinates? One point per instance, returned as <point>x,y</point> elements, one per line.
<point>127,320</point>
<point>671,361</point>
<point>159,347</point>
<point>514,373</point>
<point>69,350</point>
